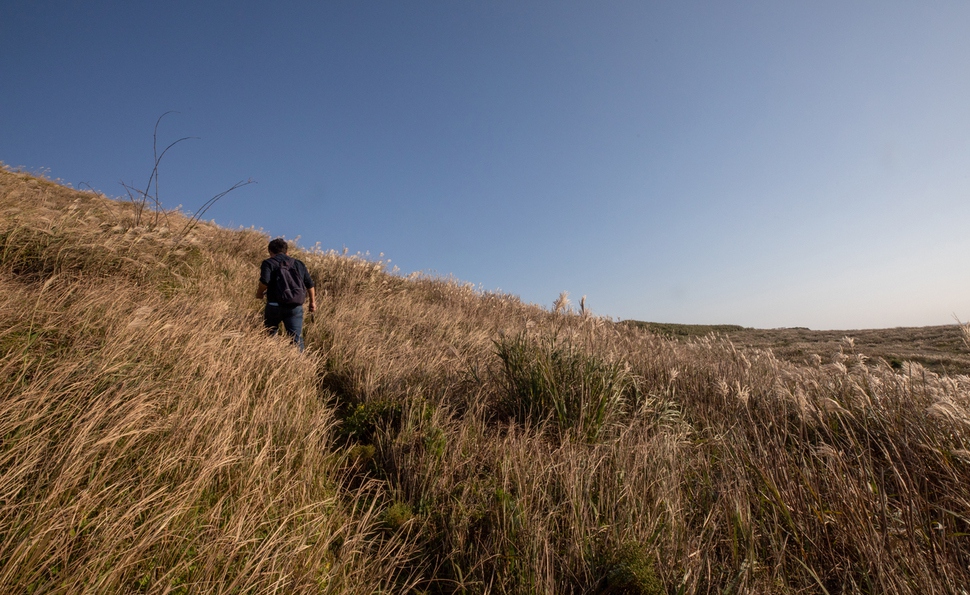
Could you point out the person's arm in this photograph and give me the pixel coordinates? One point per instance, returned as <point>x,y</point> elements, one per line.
<point>311,292</point>
<point>265,274</point>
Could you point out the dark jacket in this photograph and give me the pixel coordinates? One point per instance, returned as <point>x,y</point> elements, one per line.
<point>270,268</point>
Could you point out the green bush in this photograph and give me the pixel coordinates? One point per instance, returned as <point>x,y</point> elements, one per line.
<point>364,421</point>
<point>396,516</point>
<point>629,571</point>
<point>552,381</point>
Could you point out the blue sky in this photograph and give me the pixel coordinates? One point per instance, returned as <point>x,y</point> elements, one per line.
<point>767,164</point>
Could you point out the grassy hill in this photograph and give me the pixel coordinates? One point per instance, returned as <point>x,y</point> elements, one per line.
<point>432,438</point>
<point>942,349</point>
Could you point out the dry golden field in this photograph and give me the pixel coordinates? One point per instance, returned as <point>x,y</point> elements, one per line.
<point>942,349</point>
<point>438,439</point>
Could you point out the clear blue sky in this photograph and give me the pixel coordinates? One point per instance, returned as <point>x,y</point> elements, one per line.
<point>759,163</point>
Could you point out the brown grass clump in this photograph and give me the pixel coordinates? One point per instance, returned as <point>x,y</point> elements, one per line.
<point>433,438</point>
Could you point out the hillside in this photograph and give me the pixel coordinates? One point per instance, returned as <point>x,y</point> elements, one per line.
<point>433,438</point>
<point>941,349</point>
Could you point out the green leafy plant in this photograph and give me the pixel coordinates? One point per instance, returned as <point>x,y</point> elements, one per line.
<point>396,516</point>
<point>553,381</point>
<point>364,421</point>
<point>629,571</point>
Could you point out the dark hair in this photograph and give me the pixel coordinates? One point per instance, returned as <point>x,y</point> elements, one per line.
<point>278,246</point>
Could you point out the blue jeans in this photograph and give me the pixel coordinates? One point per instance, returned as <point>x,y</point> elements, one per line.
<point>290,316</point>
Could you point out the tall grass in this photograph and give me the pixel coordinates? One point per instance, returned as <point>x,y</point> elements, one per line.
<point>153,439</point>
<point>433,438</point>
<point>555,382</point>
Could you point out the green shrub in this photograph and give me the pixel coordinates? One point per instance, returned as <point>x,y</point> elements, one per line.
<point>363,422</point>
<point>552,381</point>
<point>397,515</point>
<point>629,571</point>
<point>361,455</point>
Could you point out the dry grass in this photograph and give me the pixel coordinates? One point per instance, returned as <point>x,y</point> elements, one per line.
<point>153,440</point>
<point>433,438</point>
<point>940,349</point>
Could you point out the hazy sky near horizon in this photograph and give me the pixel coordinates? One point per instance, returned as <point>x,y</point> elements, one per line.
<point>761,163</point>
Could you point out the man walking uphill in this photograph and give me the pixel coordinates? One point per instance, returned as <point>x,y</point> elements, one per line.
<point>286,283</point>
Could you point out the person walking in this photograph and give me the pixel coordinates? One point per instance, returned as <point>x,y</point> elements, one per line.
<point>286,284</point>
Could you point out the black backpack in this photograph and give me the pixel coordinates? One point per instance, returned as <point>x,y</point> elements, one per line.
<point>287,282</point>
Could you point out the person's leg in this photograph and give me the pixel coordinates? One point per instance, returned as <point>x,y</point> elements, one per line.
<point>293,323</point>
<point>272,316</point>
